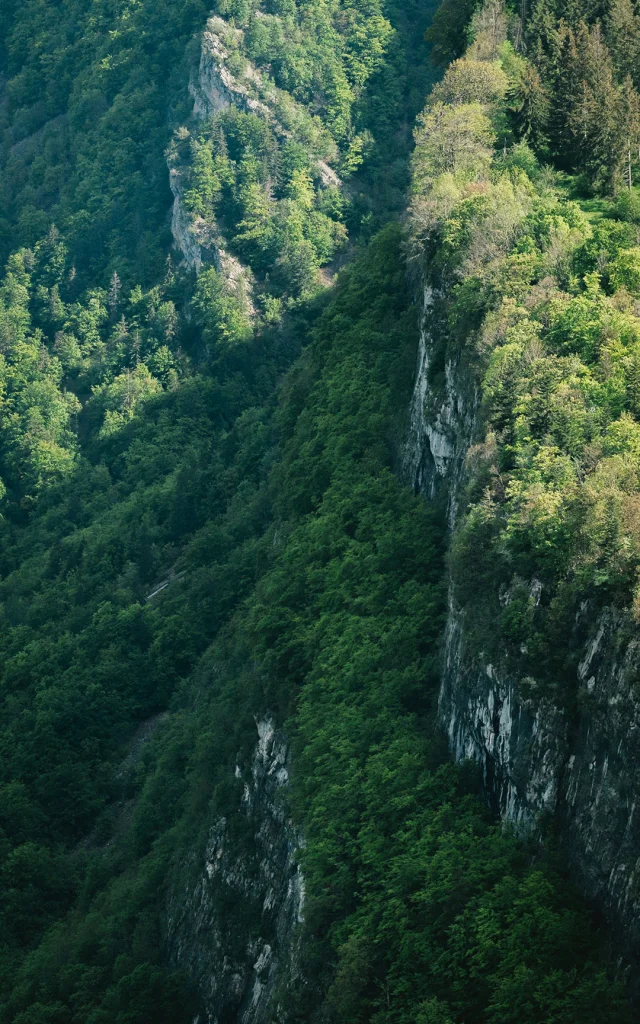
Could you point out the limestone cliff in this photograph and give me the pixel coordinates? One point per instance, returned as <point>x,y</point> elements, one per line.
<point>213,88</point>
<point>234,910</point>
<point>578,764</point>
<point>441,418</point>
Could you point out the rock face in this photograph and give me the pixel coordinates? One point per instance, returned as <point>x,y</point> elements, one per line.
<point>581,766</point>
<point>601,780</point>
<point>520,745</point>
<point>213,89</point>
<point>441,419</point>
<point>185,238</point>
<point>233,925</point>
<point>209,86</point>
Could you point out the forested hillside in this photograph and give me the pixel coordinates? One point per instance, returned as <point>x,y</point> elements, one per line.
<point>541,293</point>
<point>528,361</point>
<point>204,518</point>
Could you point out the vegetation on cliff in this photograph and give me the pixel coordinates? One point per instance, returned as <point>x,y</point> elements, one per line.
<point>165,433</point>
<point>335,573</point>
<point>540,299</point>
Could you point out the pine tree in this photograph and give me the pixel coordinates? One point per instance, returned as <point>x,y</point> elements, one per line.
<point>595,118</point>
<point>588,126</point>
<point>559,67</point>
<point>449,30</point>
<point>630,123</point>
<point>623,39</point>
<point>114,293</point>
<point>531,106</point>
<point>632,383</point>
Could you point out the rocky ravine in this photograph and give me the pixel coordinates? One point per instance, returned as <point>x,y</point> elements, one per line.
<point>537,760</point>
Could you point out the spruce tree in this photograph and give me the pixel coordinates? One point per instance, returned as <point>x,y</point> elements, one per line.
<point>630,124</point>
<point>623,39</point>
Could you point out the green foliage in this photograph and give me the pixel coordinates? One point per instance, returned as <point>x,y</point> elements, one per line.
<point>258,169</point>
<point>320,87</point>
<point>449,31</point>
<point>58,347</point>
<point>222,317</point>
<point>577,92</point>
<point>542,305</point>
<point>201,522</point>
<point>333,621</point>
<point>87,91</point>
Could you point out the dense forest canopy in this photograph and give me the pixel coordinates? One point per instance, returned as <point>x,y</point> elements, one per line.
<point>238,435</point>
<point>542,295</point>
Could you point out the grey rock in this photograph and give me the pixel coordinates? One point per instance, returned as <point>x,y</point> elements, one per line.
<point>579,763</point>
<point>239,962</point>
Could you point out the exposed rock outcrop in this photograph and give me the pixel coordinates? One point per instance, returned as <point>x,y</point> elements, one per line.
<point>580,762</point>
<point>580,765</point>
<point>238,958</point>
<point>521,745</point>
<point>441,420</point>
<point>214,88</point>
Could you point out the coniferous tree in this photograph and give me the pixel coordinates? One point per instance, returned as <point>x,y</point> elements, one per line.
<point>449,30</point>
<point>623,39</point>
<point>630,123</point>
<point>560,68</point>
<point>595,117</point>
<point>591,120</point>
<point>530,104</point>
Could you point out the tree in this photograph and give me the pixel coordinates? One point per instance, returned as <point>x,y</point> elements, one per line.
<point>625,271</point>
<point>592,120</point>
<point>622,30</point>
<point>530,105</point>
<point>471,81</point>
<point>449,29</point>
<point>488,30</point>
<point>121,398</point>
<point>115,287</point>
<point>221,313</point>
<point>595,113</point>
<point>630,125</point>
<point>457,139</point>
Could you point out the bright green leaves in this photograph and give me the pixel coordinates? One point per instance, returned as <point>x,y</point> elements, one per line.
<point>625,271</point>
<point>471,81</point>
<point>222,313</point>
<point>276,211</point>
<point>37,441</point>
<point>457,139</point>
<point>209,175</point>
<point>121,398</point>
<point>59,345</point>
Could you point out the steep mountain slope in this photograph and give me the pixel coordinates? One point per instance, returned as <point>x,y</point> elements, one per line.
<point>224,793</point>
<point>525,404</point>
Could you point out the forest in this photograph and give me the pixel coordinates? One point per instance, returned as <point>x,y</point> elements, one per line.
<point>203,515</point>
